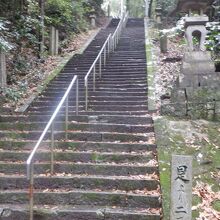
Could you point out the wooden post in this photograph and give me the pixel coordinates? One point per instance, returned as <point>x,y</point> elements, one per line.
<point>3,77</point>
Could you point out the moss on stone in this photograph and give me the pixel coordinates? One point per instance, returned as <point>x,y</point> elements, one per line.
<point>173,137</point>
<point>216,205</point>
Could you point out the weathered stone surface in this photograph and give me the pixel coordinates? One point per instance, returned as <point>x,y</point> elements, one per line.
<point>197,62</point>
<point>181,188</point>
<point>3,77</point>
<point>163,44</point>
<point>175,109</point>
<point>191,30</point>
<point>93,21</point>
<point>217,107</point>
<point>54,41</point>
<point>197,110</point>
<point>192,5</point>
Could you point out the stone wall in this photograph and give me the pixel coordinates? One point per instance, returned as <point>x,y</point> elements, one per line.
<point>205,104</point>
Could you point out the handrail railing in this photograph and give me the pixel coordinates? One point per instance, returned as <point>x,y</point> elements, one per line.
<point>110,45</point>
<point>106,47</point>
<point>50,125</point>
<point>116,35</point>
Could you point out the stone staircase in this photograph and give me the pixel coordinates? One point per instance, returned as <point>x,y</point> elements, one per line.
<point>107,169</point>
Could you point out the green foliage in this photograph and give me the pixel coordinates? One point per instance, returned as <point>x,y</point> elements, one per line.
<point>167,6</point>
<point>136,8</point>
<point>12,94</point>
<point>69,15</point>
<point>27,28</point>
<point>4,45</point>
<point>213,41</point>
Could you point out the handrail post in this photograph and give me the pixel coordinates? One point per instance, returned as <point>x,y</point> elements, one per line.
<point>31,191</point>
<point>109,40</point>
<point>94,79</point>
<point>66,117</point>
<point>112,44</point>
<point>115,40</point>
<point>86,94</point>
<point>52,148</point>
<point>105,56</point>
<point>100,66</point>
<point>77,96</point>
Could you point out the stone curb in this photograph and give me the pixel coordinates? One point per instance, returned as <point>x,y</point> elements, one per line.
<point>150,72</point>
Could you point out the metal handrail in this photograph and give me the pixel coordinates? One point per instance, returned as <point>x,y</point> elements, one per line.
<point>110,45</point>
<point>116,35</point>
<point>105,48</point>
<point>50,124</point>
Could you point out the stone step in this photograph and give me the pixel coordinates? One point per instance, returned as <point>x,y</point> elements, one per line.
<point>97,97</point>
<point>81,156</point>
<point>75,126</point>
<point>112,84</point>
<point>79,136</point>
<point>85,197</point>
<point>105,76</point>
<point>100,88</point>
<point>109,89</point>
<point>48,104</point>
<point>117,94</point>
<point>105,169</point>
<point>122,81</point>
<point>84,182</point>
<point>85,117</point>
<point>128,109</point>
<point>80,145</point>
<point>20,212</point>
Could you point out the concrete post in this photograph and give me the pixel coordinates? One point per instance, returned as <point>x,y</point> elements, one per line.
<point>163,44</point>
<point>54,41</point>
<point>93,21</point>
<point>109,10</point>
<point>3,77</point>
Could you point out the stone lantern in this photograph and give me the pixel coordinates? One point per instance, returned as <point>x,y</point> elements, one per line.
<point>197,89</point>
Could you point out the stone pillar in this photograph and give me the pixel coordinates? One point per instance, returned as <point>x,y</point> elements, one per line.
<point>201,12</point>
<point>93,21</point>
<point>159,17</point>
<point>146,8</point>
<point>109,10</point>
<point>54,41</point>
<point>163,43</point>
<point>3,77</point>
